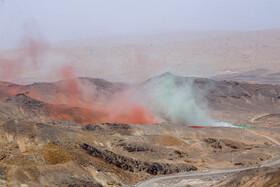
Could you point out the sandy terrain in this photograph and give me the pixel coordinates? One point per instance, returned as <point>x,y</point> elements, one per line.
<point>244,56</point>
<point>133,125</point>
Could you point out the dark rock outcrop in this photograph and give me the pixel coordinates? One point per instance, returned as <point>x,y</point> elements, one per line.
<point>26,101</point>
<point>225,145</point>
<point>126,163</point>
<point>113,128</point>
<point>135,148</point>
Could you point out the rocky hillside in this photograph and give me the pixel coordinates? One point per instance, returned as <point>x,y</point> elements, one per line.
<point>82,100</point>
<point>49,137</point>
<point>262,177</point>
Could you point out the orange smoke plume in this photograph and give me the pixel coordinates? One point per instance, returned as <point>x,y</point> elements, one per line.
<point>73,100</point>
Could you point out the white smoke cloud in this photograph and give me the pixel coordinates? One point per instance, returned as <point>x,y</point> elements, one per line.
<point>178,103</point>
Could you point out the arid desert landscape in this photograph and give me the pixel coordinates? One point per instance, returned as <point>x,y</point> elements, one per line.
<point>47,144</point>
<point>146,94</point>
<point>173,129</point>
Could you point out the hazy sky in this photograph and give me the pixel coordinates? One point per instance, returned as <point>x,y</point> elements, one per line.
<point>57,20</point>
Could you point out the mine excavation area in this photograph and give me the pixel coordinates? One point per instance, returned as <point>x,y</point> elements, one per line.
<point>50,136</point>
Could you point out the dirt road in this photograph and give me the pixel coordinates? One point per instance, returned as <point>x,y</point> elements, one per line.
<point>153,181</point>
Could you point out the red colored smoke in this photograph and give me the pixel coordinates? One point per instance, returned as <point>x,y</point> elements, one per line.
<point>33,48</point>
<point>119,109</point>
<point>10,69</point>
<point>73,100</point>
<point>128,111</point>
<point>196,127</point>
<point>29,51</point>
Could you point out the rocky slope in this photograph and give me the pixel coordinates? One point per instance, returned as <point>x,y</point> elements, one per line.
<point>256,177</point>
<point>44,143</point>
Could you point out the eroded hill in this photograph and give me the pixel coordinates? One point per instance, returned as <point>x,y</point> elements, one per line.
<point>50,134</point>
